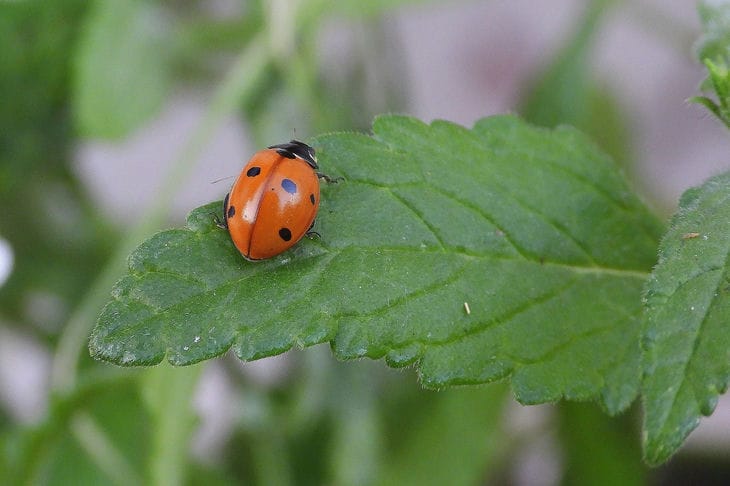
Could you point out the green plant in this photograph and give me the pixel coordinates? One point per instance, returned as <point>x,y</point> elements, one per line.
<point>534,230</point>
<point>504,253</point>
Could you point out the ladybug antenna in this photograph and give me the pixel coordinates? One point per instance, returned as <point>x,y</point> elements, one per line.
<point>222,179</point>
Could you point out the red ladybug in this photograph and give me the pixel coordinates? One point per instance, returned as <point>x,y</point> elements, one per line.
<point>274,201</point>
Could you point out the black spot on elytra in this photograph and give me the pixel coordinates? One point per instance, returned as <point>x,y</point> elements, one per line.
<point>231,212</point>
<point>285,234</point>
<point>289,186</point>
<point>311,198</point>
<point>253,171</point>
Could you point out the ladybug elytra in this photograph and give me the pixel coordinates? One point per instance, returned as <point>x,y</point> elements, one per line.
<point>274,201</point>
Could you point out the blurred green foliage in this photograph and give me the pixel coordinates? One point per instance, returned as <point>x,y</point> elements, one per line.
<point>713,49</point>
<point>58,237</point>
<point>325,423</point>
<point>123,67</point>
<point>35,77</point>
<point>714,43</point>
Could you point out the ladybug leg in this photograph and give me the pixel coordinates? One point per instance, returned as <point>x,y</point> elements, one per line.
<point>312,234</point>
<point>219,223</point>
<point>222,223</point>
<point>328,179</point>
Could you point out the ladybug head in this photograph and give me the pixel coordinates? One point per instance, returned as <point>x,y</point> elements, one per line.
<point>297,149</point>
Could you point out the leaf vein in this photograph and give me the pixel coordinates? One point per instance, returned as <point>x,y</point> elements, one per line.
<point>695,345</point>
<point>379,311</point>
<point>182,276</point>
<point>505,318</point>
<point>473,207</point>
<point>569,148</point>
<point>419,215</point>
<point>295,297</point>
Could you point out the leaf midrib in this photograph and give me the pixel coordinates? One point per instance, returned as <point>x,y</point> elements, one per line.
<point>595,270</point>
<point>695,343</point>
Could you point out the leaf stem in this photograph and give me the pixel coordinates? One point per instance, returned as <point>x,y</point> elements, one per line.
<point>25,469</point>
<point>102,451</point>
<point>270,458</point>
<point>167,391</point>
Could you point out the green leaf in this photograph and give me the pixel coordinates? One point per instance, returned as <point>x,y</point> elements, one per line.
<point>685,338</point>
<point>122,68</point>
<point>535,229</point>
<point>719,80</point>
<point>714,43</point>
<point>707,103</point>
<point>713,49</point>
<point>564,93</point>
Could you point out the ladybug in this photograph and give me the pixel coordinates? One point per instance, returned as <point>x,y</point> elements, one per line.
<point>274,201</point>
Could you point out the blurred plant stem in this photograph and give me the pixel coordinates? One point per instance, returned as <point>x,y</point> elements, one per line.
<point>270,457</point>
<point>33,443</point>
<point>94,440</point>
<point>614,459</point>
<point>239,85</point>
<point>358,438</point>
<point>167,392</point>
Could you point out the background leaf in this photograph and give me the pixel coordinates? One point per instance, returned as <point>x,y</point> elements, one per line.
<point>58,451</point>
<point>58,251</point>
<point>685,338</point>
<point>614,459</point>
<point>567,92</point>
<point>354,9</point>
<point>712,50</point>
<point>535,229</point>
<point>34,73</point>
<point>462,427</point>
<point>715,39</point>
<point>123,67</point>
<point>563,92</point>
